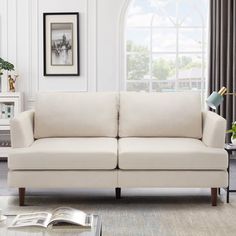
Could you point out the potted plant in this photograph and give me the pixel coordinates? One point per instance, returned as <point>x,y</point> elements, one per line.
<point>233,131</point>
<point>4,65</point>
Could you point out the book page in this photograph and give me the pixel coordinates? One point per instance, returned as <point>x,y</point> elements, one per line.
<point>32,219</point>
<point>70,215</point>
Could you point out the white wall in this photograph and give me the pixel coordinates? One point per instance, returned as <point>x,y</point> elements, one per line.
<point>21,42</point>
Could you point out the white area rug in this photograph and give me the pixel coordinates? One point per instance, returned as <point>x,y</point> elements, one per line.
<point>143,212</point>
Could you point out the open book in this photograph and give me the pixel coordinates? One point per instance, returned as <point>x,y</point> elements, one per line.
<point>59,216</point>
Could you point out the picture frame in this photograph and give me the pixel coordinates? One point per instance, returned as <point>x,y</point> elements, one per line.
<point>61,44</point>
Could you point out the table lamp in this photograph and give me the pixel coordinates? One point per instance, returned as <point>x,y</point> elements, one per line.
<point>216,98</point>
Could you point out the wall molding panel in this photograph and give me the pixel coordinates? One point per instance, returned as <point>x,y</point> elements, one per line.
<point>21,42</point>
<point>121,45</point>
<point>92,42</point>
<point>4,28</point>
<point>12,31</point>
<point>101,61</point>
<point>33,52</point>
<point>108,39</point>
<point>24,48</point>
<point>8,39</point>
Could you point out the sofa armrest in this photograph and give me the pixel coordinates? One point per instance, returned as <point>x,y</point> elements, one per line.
<point>22,126</point>
<point>214,128</point>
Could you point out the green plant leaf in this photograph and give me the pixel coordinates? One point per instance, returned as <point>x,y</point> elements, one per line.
<point>229,131</point>
<point>5,65</point>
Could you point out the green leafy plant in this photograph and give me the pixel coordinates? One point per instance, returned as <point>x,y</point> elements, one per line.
<point>232,130</point>
<point>5,65</point>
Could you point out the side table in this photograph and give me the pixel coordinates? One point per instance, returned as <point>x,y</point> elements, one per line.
<point>229,148</point>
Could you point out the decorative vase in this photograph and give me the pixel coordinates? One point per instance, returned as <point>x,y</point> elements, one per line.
<point>233,140</point>
<point>3,83</point>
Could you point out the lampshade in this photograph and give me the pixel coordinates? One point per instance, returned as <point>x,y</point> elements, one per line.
<point>214,100</point>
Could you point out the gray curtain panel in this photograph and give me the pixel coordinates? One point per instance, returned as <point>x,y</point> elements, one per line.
<point>222,63</point>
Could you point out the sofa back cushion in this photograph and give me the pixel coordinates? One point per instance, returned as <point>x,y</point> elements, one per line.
<point>76,114</point>
<point>175,114</point>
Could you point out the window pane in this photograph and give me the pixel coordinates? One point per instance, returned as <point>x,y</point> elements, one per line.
<point>190,84</point>
<point>142,7</point>
<point>167,8</point>
<point>190,72</point>
<point>141,12</point>
<point>137,86</point>
<point>186,61</point>
<point>138,40</point>
<point>190,40</point>
<point>164,40</point>
<point>163,66</point>
<point>164,86</point>
<point>189,14</point>
<point>139,20</point>
<point>137,66</point>
<point>162,20</point>
<point>153,28</point>
<point>193,12</point>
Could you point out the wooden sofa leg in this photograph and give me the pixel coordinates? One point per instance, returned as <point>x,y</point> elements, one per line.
<point>214,196</point>
<point>21,196</point>
<point>118,193</point>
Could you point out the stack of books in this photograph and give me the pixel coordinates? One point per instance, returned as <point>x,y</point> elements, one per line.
<point>6,111</point>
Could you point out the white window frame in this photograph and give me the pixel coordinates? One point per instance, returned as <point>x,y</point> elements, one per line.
<point>177,27</point>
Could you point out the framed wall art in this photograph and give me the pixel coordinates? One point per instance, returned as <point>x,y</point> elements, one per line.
<point>61,44</point>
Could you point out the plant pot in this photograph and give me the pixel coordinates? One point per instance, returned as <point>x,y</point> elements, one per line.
<point>233,141</point>
<point>3,84</point>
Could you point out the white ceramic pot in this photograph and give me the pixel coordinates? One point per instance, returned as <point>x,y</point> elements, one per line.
<point>233,141</point>
<point>3,83</point>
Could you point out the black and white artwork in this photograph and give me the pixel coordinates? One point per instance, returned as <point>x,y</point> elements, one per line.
<point>61,44</point>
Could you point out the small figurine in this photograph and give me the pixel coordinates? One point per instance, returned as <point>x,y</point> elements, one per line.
<point>12,82</point>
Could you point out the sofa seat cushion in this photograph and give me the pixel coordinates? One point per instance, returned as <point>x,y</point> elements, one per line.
<point>66,154</point>
<point>169,154</point>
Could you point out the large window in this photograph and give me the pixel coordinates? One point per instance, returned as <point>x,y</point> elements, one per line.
<point>166,45</point>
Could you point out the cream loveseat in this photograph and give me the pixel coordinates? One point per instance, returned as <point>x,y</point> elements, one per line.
<point>118,140</point>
